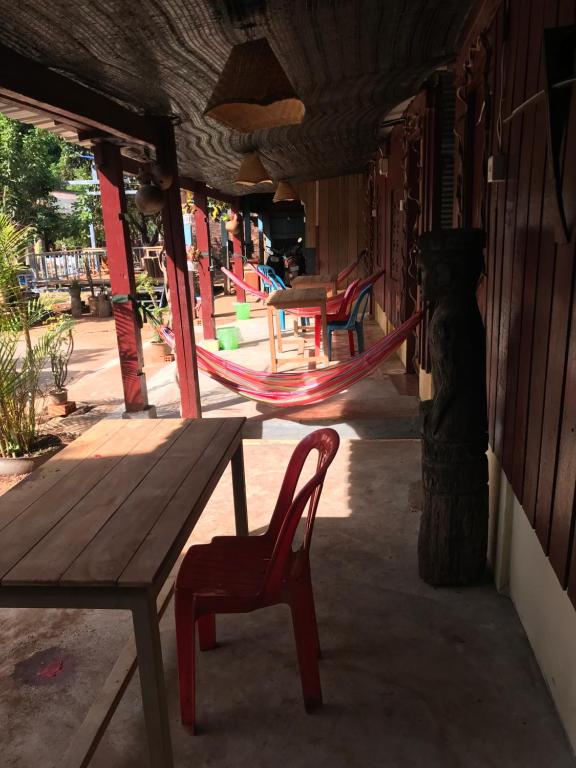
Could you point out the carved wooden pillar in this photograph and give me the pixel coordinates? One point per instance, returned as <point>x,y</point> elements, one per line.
<point>454,525</point>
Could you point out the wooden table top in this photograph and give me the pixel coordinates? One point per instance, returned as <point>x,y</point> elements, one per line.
<point>297,297</point>
<point>110,508</point>
<point>313,280</point>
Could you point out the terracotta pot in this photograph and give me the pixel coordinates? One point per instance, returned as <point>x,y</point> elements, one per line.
<point>93,305</point>
<point>58,396</point>
<point>104,305</point>
<point>159,351</point>
<point>233,225</point>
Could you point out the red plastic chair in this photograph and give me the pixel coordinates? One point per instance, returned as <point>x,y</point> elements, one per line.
<point>236,574</point>
<point>342,314</point>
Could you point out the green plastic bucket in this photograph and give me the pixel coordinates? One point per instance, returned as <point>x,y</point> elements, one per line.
<point>228,337</point>
<point>242,310</point>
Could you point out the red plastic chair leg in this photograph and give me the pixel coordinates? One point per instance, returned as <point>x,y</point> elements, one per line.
<point>207,632</point>
<point>186,651</point>
<point>351,342</point>
<point>306,637</point>
<point>317,335</point>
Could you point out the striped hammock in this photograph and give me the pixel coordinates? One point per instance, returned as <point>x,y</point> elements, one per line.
<point>297,388</point>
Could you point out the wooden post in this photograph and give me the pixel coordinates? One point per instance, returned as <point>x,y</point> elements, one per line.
<point>237,260</point>
<point>204,275</point>
<point>121,266</point>
<point>177,271</point>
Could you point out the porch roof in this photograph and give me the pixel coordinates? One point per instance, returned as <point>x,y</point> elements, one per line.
<point>351,63</point>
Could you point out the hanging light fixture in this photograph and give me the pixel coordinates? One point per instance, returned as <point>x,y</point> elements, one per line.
<point>285,192</point>
<point>252,171</point>
<point>253,91</point>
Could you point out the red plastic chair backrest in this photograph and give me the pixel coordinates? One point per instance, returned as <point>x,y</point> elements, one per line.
<point>289,509</point>
<point>371,280</point>
<point>349,296</point>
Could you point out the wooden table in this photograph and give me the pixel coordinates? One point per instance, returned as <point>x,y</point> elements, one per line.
<point>101,525</point>
<point>317,281</point>
<point>293,298</point>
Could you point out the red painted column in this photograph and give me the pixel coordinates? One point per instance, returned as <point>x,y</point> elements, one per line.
<point>181,301</point>
<point>237,260</point>
<point>121,266</point>
<point>204,275</point>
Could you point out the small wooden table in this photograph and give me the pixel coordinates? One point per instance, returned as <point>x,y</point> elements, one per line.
<point>316,281</point>
<point>293,298</point>
<point>101,525</point>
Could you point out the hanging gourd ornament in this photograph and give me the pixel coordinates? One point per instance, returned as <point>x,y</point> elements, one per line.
<point>150,198</point>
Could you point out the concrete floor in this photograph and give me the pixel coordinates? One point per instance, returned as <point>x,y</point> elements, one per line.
<point>412,677</point>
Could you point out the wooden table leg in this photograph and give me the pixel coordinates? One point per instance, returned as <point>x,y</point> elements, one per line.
<point>272,339</point>
<point>278,331</point>
<point>150,667</point>
<point>239,488</point>
<point>325,333</point>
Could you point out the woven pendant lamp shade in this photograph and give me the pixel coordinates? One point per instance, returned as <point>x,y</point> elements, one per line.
<point>284,192</point>
<point>253,91</point>
<point>252,171</point>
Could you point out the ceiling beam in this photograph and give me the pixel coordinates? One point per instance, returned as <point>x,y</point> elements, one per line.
<point>35,85</point>
<point>197,186</point>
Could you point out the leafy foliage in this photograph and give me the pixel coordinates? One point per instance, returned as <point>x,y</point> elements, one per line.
<point>21,358</point>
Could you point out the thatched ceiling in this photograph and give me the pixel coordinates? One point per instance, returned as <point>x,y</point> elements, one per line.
<point>351,61</point>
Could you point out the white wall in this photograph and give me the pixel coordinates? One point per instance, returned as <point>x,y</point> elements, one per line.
<point>522,570</point>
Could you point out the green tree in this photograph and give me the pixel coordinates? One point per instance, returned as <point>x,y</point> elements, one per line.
<point>33,164</point>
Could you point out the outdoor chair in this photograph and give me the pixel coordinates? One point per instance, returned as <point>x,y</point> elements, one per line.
<point>353,324</point>
<point>240,574</point>
<point>272,282</point>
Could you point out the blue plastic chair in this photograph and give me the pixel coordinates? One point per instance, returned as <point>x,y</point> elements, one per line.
<point>354,323</point>
<point>277,285</point>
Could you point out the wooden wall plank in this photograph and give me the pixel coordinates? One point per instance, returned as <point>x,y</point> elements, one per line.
<point>546,13</point>
<point>519,20</point>
<point>559,329</point>
<point>495,43</point>
<point>519,230</point>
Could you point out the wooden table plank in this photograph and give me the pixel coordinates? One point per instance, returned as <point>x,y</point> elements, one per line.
<point>108,554</point>
<point>296,297</point>
<point>315,281</point>
<point>24,532</point>
<point>19,498</point>
<point>180,515</point>
<point>56,552</point>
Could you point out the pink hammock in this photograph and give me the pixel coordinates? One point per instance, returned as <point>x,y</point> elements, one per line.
<point>243,284</point>
<point>298,388</point>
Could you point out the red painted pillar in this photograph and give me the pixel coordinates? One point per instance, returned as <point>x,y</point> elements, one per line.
<point>121,266</point>
<point>202,228</point>
<point>181,301</point>
<point>237,260</point>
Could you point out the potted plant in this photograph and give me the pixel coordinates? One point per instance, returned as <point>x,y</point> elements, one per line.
<point>92,299</point>
<point>160,351</point>
<point>22,359</point>
<point>60,354</point>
